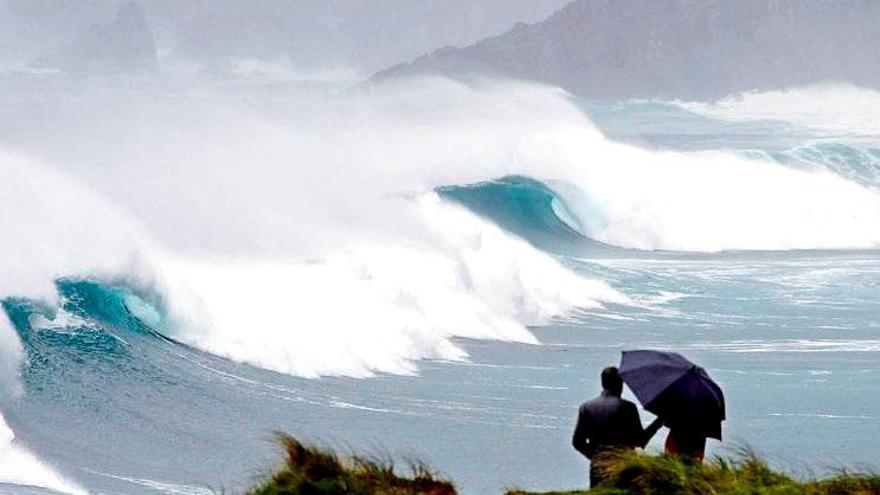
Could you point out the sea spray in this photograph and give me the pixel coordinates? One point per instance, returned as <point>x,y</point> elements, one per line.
<point>253,220</point>
<point>20,467</point>
<point>401,302</point>
<point>713,201</point>
<point>833,109</point>
<point>54,225</point>
<point>268,220</point>
<point>10,360</point>
<point>17,464</point>
<point>304,236</point>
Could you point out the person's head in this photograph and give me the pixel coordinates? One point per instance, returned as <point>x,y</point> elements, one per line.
<point>611,381</point>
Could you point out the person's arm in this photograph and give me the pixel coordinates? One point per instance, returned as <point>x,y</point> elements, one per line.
<point>651,430</point>
<point>581,436</point>
<point>641,436</point>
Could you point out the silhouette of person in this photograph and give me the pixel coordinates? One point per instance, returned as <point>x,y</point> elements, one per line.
<point>686,443</point>
<point>609,423</point>
<point>688,433</point>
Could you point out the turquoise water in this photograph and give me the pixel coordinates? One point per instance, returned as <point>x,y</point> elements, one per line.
<point>792,336</point>
<point>800,381</point>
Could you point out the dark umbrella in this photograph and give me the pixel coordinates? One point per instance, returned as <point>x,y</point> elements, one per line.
<point>675,389</point>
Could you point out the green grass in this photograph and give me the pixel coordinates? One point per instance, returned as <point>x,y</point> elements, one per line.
<point>746,474</point>
<point>311,470</point>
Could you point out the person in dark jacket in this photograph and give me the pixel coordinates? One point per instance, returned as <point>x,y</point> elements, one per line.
<point>609,423</point>
<point>688,434</point>
<point>687,443</point>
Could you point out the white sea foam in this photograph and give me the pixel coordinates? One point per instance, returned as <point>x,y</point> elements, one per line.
<point>10,359</point>
<point>20,467</point>
<point>43,240</point>
<point>379,306</point>
<point>824,416</point>
<point>792,345</point>
<point>310,245</point>
<point>161,486</point>
<point>836,109</point>
<point>710,201</point>
<point>55,226</point>
<point>303,236</point>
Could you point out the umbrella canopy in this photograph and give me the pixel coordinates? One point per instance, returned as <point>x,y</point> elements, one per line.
<point>675,389</point>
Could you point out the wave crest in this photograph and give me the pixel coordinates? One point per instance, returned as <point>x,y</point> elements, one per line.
<point>380,306</point>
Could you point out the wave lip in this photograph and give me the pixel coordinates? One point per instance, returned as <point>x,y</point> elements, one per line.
<point>521,205</point>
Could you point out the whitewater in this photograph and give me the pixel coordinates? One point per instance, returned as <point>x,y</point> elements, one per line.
<point>189,265</point>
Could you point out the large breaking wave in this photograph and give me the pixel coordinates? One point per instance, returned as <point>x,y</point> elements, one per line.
<point>253,223</point>
<point>358,233</point>
<point>369,305</point>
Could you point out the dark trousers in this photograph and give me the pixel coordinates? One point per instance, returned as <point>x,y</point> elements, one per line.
<point>595,475</point>
<point>686,444</point>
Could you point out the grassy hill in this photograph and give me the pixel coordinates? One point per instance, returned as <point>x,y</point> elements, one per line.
<point>745,475</point>
<point>310,470</point>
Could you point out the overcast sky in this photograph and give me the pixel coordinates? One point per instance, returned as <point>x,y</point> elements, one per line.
<point>363,35</point>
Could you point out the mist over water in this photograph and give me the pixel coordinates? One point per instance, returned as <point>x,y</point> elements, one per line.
<point>834,109</point>
<point>337,232</point>
<point>231,203</point>
<point>272,204</point>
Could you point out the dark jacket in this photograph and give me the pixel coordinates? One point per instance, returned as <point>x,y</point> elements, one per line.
<point>609,422</point>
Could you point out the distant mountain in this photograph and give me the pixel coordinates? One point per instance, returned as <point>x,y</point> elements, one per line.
<point>357,36</point>
<point>613,49</point>
<point>122,45</point>
<point>361,35</point>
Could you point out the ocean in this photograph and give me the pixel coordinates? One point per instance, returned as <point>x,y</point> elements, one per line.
<point>427,270</point>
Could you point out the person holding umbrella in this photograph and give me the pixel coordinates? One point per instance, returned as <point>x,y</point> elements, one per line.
<point>689,402</point>
<point>608,424</point>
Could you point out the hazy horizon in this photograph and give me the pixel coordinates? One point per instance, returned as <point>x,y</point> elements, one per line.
<point>359,36</point>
